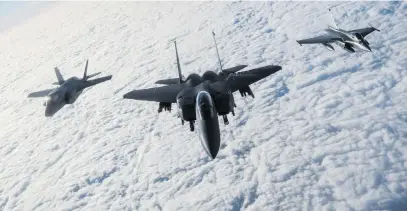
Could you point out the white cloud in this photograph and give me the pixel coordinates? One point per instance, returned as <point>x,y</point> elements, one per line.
<point>326,132</point>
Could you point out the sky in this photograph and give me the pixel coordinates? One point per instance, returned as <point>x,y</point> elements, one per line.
<point>15,12</point>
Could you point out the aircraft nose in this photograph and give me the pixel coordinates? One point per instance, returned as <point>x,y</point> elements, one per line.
<point>213,152</point>
<point>208,124</point>
<point>211,146</point>
<point>49,111</point>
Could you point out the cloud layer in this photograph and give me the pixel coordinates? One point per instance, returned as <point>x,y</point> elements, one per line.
<point>326,132</point>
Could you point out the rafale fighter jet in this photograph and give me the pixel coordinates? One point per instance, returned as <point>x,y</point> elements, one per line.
<point>348,40</point>
<point>203,99</point>
<point>68,91</point>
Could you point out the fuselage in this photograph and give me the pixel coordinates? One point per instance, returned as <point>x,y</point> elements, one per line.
<point>203,99</point>
<point>208,123</point>
<point>350,40</point>
<point>67,93</point>
<point>203,103</point>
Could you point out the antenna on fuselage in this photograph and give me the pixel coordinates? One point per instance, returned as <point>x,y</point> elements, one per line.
<point>217,52</point>
<point>333,19</point>
<point>178,65</point>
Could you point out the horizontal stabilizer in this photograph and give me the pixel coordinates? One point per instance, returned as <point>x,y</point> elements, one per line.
<point>234,69</point>
<point>97,81</point>
<point>41,93</point>
<point>92,75</point>
<point>168,81</point>
<point>373,27</point>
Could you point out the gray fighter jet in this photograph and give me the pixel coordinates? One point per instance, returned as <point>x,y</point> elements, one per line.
<point>222,75</point>
<point>203,99</point>
<point>348,40</point>
<point>68,91</point>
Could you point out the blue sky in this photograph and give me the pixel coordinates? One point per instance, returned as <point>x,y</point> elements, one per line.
<point>12,12</point>
<point>7,7</point>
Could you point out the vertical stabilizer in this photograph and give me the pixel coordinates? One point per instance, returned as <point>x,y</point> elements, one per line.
<point>178,65</point>
<point>86,70</point>
<point>333,23</point>
<point>217,52</point>
<point>59,76</point>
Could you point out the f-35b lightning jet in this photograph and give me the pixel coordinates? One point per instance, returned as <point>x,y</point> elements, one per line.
<point>203,98</point>
<point>348,40</point>
<point>68,91</point>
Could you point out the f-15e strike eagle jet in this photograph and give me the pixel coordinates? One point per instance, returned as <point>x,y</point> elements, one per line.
<point>68,91</point>
<point>348,40</point>
<point>222,75</point>
<point>203,98</point>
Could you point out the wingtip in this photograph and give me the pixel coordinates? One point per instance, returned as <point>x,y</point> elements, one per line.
<point>242,66</point>
<point>277,67</point>
<point>299,42</point>
<point>127,95</point>
<point>374,28</point>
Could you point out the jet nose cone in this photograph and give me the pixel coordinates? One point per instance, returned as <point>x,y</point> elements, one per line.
<point>210,139</point>
<point>213,154</point>
<point>49,112</point>
<point>52,108</point>
<point>211,151</point>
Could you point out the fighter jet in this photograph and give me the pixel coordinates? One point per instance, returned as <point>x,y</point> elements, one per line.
<point>348,40</point>
<point>68,91</point>
<point>222,74</point>
<point>202,99</point>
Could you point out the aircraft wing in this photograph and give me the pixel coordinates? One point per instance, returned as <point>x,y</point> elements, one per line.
<point>163,94</point>
<point>364,31</point>
<point>41,93</point>
<point>319,40</point>
<point>244,79</point>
